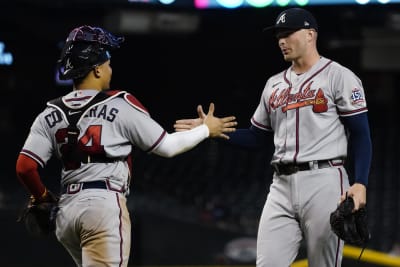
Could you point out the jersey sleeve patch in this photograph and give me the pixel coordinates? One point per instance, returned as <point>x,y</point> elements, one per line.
<point>357,96</point>
<point>135,103</point>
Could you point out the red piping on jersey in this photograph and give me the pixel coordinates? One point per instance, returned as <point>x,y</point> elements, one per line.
<point>341,181</point>
<point>298,113</point>
<point>157,142</point>
<point>286,79</point>
<point>338,242</point>
<point>353,111</point>
<point>121,254</point>
<point>259,125</point>
<point>297,135</point>
<point>119,190</point>
<point>262,126</point>
<point>33,156</point>
<point>315,74</point>
<point>337,252</point>
<point>290,87</point>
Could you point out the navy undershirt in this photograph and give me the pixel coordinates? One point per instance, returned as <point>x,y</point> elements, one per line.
<point>359,143</point>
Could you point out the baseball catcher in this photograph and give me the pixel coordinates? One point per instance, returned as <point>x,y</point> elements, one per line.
<point>351,227</point>
<point>93,130</point>
<point>39,216</point>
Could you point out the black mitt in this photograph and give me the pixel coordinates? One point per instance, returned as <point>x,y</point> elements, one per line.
<point>39,216</point>
<point>351,227</point>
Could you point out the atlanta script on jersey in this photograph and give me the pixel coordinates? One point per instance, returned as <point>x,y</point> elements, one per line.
<point>304,111</point>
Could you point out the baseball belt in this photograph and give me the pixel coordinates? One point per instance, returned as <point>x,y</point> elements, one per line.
<point>77,187</point>
<point>290,168</point>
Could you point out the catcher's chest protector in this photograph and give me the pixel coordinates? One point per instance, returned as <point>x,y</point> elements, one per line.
<point>72,156</point>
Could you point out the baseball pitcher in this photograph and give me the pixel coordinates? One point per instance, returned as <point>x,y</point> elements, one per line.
<point>314,109</point>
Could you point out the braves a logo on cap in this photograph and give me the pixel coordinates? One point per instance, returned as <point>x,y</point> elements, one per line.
<point>68,66</point>
<point>282,19</point>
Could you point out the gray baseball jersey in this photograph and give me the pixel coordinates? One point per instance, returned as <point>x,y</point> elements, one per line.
<point>111,126</point>
<point>304,111</point>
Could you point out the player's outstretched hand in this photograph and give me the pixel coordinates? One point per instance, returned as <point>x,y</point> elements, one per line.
<point>218,127</point>
<point>187,124</point>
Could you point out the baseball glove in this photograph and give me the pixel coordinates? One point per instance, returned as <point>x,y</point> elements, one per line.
<point>351,227</point>
<point>39,216</point>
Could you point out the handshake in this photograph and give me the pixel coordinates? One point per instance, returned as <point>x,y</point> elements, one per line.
<point>218,127</point>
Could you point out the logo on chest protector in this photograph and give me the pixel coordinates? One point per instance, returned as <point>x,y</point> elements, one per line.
<point>308,97</point>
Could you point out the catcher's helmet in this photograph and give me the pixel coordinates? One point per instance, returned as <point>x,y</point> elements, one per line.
<point>85,48</point>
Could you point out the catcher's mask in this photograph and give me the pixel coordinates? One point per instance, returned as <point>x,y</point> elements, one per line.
<point>85,48</point>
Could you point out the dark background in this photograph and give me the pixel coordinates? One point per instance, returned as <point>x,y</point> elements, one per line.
<point>185,210</point>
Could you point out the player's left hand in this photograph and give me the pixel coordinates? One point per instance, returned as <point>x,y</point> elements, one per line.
<point>359,194</point>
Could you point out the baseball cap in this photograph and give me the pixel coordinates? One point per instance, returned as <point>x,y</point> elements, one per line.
<point>294,19</point>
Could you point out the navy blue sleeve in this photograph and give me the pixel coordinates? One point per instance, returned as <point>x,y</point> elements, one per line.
<point>360,145</point>
<point>252,138</point>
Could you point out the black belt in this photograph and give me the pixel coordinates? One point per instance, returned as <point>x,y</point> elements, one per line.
<point>100,159</point>
<point>290,168</point>
<point>75,188</point>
